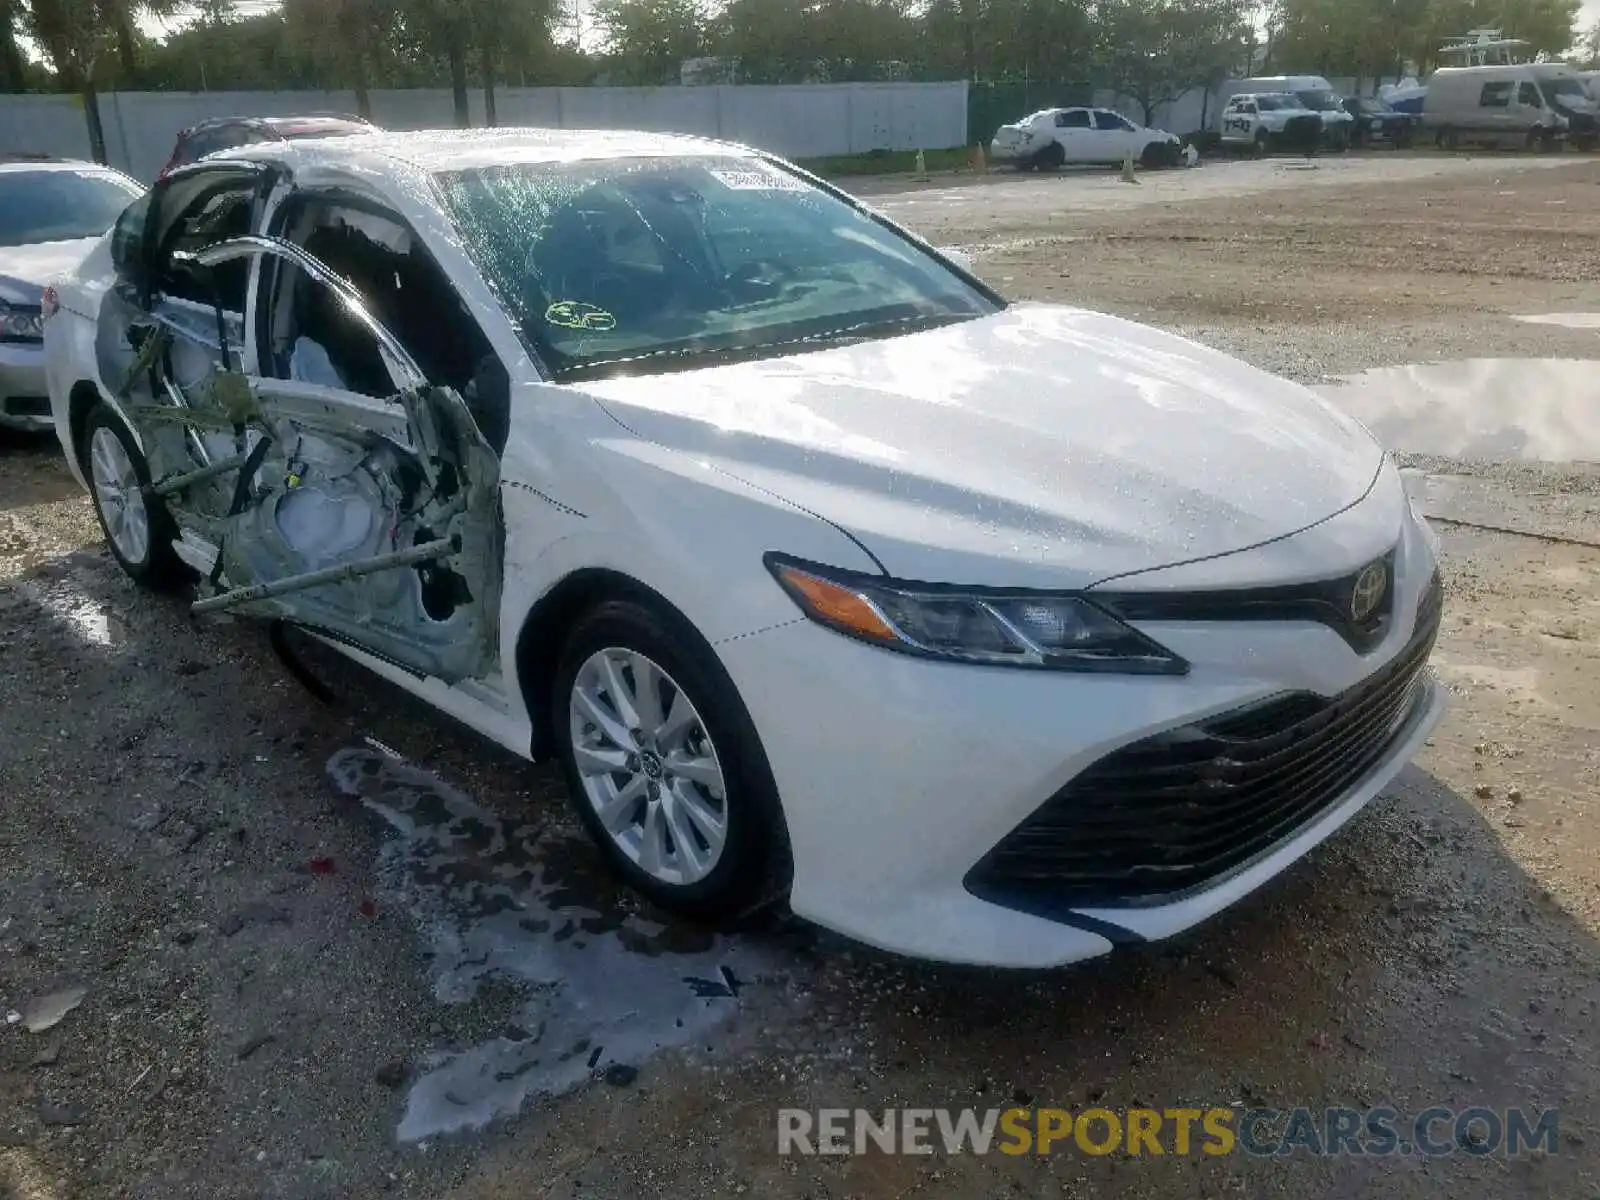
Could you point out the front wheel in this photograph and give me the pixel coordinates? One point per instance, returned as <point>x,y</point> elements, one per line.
<point>1052,158</point>
<point>138,529</point>
<point>665,767</point>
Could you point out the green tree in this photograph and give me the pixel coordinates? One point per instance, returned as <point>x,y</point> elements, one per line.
<point>72,34</point>
<point>249,54</point>
<point>647,40</point>
<point>350,42</point>
<point>508,33</point>
<point>1153,51</point>
<point>1588,56</point>
<point>1371,37</point>
<point>13,68</point>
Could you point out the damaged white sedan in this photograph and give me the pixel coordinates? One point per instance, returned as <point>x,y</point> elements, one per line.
<point>978,631</point>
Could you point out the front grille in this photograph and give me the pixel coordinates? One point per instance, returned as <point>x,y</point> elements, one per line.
<point>1325,601</point>
<point>1183,809</point>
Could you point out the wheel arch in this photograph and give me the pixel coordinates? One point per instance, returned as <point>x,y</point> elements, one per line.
<point>81,401</point>
<point>544,628</point>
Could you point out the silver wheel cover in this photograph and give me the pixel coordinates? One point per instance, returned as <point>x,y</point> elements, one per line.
<point>648,766</point>
<point>119,496</point>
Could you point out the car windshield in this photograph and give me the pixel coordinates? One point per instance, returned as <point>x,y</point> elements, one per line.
<point>1276,103</point>
<point>58,206</point>
<point>641,265</point>
<point>1319,99</point>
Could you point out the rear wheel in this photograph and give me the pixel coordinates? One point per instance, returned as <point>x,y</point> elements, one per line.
<point>665,767</point>
<point>139,530</point>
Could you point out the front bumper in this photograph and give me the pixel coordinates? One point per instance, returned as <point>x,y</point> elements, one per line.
<point>899,775</point>
<point>24,398</point>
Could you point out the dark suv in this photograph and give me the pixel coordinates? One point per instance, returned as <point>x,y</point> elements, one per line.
<point>1379,121</point>
<point>223,133</point>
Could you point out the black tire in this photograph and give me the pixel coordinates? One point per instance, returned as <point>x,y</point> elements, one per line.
<point>1259,147</point>
<point>1052,158</point>
<point>1154,156</point>
<point>753,870</point>
<point>159,568</point>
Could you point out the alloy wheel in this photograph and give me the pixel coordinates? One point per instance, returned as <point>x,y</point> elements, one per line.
<point>118,493</point>
<point>648,767</point>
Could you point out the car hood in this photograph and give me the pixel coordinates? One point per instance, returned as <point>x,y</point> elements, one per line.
<point>24,270</point>
<point>1038,447</point>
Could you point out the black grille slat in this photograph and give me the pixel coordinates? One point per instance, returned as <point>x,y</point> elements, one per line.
<point>1230,770</point>
<point>1269,820</point>
<point>1177,811</point>
<point>1222,820</point>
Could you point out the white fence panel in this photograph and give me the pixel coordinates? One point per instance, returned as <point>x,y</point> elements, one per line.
<point>660,110</point>
<point>44,125</point>
<point>802,121</point>
<point>799,121</point>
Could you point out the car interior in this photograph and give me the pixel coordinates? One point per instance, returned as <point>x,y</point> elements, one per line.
<point>310,335</point>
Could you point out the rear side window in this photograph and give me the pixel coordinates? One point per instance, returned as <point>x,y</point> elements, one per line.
<point>1495,95</point>
<point>1110,120</point>
<point>209,141</point>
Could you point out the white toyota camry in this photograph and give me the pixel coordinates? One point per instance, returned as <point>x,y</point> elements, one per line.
<point>981,631</point>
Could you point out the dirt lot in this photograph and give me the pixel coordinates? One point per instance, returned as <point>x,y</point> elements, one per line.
<point>384,979</point>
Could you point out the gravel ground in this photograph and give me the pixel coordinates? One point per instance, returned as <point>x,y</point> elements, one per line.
<point>291,977</point>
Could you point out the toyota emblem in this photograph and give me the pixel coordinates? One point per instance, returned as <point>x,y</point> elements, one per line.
<point>1368,591</point>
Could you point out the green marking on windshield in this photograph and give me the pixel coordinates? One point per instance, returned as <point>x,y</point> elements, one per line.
<point>575,314</point>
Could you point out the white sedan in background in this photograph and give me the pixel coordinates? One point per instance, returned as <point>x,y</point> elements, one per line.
<point>980,631</point>
<point>52,213</point>
<point>1056,137</point>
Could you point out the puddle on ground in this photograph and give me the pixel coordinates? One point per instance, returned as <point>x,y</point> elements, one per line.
<point>1536,409</point>
<point>87,620</point>
<point>1567,320</point>
<point>605,987</point>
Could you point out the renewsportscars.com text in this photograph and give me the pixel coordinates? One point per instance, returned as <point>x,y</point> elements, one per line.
<point>1259,1132</point>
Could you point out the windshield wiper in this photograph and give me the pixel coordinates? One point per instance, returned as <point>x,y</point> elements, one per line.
<point>681,358</point>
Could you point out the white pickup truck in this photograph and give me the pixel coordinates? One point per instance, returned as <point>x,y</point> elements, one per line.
<point>1259,122</point>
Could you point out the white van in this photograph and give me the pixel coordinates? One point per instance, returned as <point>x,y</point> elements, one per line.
<point>1315,92</point>
<point>1538,105</point>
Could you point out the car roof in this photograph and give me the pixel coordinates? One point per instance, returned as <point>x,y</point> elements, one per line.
<point>332,122</point>
<point>431,150</point>
<point>9,166</point>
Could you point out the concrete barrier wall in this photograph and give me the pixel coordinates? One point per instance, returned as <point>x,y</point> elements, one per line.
<point>799,121</point>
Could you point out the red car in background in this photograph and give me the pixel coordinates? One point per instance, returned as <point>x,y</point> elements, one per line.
<point>223,133</point>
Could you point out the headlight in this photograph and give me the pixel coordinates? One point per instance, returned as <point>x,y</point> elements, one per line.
<point>1055,631</point>
<point>20,324</point>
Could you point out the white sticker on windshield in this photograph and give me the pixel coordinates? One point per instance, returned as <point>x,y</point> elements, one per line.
<point>758,179</point>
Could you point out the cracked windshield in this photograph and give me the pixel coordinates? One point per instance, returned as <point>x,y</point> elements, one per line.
<point>651,264</point>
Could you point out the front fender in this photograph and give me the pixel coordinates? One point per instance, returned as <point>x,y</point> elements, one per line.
<point>692,534</point>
